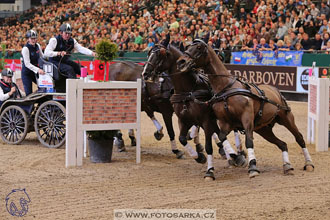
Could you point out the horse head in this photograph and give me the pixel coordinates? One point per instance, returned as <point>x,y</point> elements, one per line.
<point>156,62</point>
<point>196,55</point>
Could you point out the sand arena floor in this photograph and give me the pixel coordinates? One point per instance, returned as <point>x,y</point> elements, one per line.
<point>161,181</point>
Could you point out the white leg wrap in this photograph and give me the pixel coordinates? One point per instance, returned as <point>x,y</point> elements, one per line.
<point>251,154</point>
<point>193,131</point>
<point>215,138</point>
<point>285,156</point>
<point>238,142</point>
<point>191,151</point>
<point>227,147</point>
<point>159,127</point>
<point>173,145</point>
<point>131,132</point>
<point>306,154</point>
<point>209,161</point>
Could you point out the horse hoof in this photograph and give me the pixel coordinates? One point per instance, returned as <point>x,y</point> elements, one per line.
<point>158,135</point>
<point>209,175</point>
<point>199,148</point>
<point>287,169</point>
<point>201,158</point>
<point>253,174</point>
<point>253,171</point>
<point>178,153</point>
<point>241,161</point>
<point>119,143</point>
<point>208,179</point>
<point>309,167</point>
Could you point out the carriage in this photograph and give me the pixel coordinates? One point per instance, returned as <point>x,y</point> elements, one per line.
<point>42,112</point>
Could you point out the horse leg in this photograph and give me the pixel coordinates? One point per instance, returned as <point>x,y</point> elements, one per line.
<point>209,130</point>
<point>219,144</point>
<point>159,133</point>
<point>268,134</point>
<point>247,121</point>
<point>195,132</point>
<point>238,143</point>
<point>169,127</point>
<point>289,123</point>
<point>131,136</point>
<point>199,157</point>
<point>119,142</point>
<point>226,149</point>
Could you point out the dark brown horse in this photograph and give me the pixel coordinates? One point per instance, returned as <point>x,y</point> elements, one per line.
<point>189,91</point>
<point>240,105</point>
<point>155,98</point>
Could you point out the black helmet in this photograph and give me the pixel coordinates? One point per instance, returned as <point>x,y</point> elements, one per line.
<point>31,34</point>
<point>66,28</point>
<point>7,72</point>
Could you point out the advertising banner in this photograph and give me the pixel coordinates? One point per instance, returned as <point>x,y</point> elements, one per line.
<point>269,58</point>
<point>283,78</point>
<point>303,77</point>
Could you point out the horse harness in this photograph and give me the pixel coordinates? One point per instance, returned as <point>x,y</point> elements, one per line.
<point>227,92</point>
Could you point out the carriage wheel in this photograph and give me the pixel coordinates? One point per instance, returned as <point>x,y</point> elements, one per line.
<point>49,124</point>
<point>13,125</point>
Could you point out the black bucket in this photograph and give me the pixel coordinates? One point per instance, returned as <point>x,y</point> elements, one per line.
<point>100,151</point>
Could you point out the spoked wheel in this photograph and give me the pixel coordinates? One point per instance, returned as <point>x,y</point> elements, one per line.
<point>49,124</point>
<point>13,125</point>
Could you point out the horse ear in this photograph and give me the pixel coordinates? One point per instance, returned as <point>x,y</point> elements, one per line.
<point>162,51</point>
<point>167,40</point>
<point>206,38</point>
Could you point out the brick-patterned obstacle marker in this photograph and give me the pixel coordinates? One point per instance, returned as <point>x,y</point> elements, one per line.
<point>100,106</point>
<point>109,106</point>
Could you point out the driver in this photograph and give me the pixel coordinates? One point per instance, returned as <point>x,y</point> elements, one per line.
<point>59,50</point>
<point>8,89</point>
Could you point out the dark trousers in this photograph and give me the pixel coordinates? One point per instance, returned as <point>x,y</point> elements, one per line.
<point>68,69</point>
<point>28,77</point>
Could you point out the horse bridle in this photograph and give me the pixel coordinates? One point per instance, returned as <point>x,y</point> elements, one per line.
<point>155,50</point>
<point>200,54</point>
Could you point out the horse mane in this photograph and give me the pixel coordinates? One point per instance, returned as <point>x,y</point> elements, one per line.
<point>214,58</point>
<point>175,50</point>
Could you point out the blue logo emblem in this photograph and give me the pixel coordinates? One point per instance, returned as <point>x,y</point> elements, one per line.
<point>17,202</point>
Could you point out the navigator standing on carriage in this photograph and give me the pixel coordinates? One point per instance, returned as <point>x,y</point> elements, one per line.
<point>31,53</point>
<point>59,50</point>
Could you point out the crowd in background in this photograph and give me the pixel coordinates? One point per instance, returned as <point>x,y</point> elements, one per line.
<point>136,25</point>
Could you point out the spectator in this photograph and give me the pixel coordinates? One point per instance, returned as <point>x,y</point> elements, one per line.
<point>317,42</point>
<point>282,31</point>
<point>327,47</point>
<point>315,12</point>
<point>325,39</point>
<point>298,47</point>
<point>324,9</point>
<point>263,45</point>
<point>306,42</point>
<point>310,28</point>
